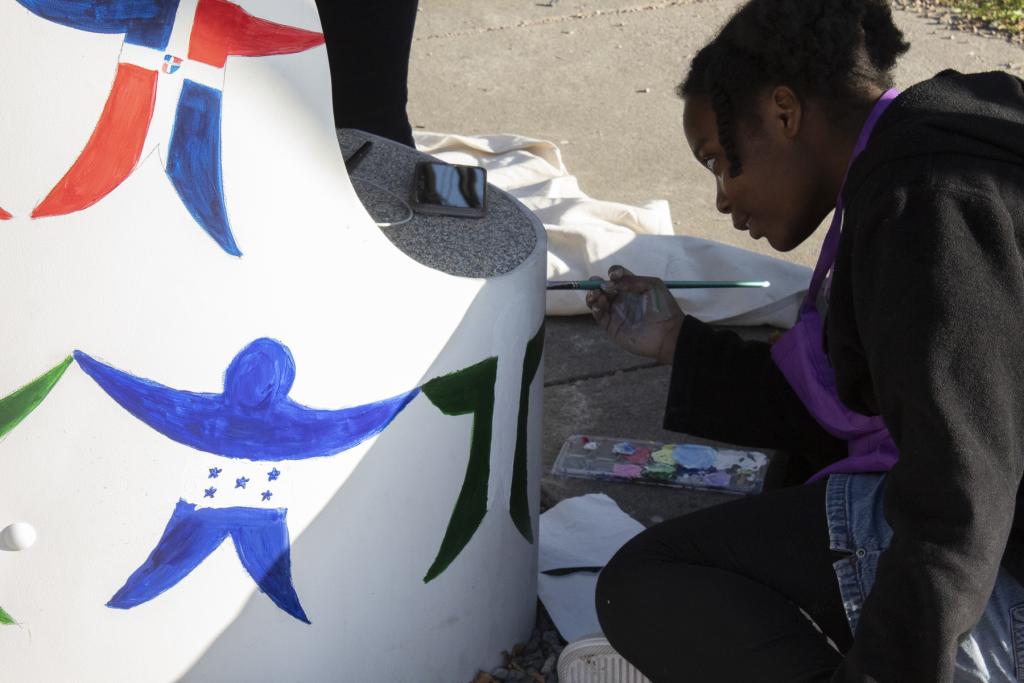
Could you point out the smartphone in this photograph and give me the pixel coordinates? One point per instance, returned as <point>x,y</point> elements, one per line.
<point>449,190</point>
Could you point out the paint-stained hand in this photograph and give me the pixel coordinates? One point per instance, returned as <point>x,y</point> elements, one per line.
<point>639,313</point>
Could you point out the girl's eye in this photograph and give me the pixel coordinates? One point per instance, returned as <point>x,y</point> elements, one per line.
<point>710,164</point>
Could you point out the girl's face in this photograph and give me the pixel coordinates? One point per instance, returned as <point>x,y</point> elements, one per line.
<point>780,194</point>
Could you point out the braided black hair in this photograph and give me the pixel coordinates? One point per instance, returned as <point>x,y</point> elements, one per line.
<point>833,50</point>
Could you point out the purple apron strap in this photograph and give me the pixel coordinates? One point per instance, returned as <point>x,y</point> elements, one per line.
<point>830,245</point>
<point>800,355</point>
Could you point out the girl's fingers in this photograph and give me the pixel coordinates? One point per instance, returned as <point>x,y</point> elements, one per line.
<point>612,324</point>
<point>597,302</point>
<point>596,295</point>
<point>638,284</point>
<point>621,278</point>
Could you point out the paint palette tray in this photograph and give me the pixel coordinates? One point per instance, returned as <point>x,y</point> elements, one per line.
<point>682,465</point>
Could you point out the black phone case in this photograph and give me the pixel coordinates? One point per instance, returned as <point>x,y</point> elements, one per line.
<point>439,209</point>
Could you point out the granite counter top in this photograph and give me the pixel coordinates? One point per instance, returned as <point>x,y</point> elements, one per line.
<point>467,247</point>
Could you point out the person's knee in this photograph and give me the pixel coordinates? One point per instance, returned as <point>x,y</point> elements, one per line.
<point>617,585</point>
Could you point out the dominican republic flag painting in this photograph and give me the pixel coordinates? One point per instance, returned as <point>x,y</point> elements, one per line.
<point>160,100</point>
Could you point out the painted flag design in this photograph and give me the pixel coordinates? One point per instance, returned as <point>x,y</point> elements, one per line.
<point>160,100</point>
<point>171,64</point>
<point>254,420</point>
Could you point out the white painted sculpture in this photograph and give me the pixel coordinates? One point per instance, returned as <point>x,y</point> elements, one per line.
<point>242,436</point>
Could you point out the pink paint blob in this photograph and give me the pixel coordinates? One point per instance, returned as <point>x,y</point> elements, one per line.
<point>627,471</point>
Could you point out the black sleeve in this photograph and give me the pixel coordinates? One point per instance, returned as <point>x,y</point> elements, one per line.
<point>728,389</point>
<point>938,292</point>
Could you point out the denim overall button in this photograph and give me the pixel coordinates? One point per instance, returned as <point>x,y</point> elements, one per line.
<point>861,552</point>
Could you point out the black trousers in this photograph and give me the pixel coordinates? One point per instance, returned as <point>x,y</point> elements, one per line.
<point>368,44</point>
<point>717,595</point>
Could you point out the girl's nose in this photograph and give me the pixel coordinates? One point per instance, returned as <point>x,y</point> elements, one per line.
<point>721,201</point>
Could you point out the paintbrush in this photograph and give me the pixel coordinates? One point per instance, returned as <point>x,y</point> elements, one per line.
<point>671,284</point>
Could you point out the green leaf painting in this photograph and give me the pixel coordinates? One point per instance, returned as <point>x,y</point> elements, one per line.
<point>16,407</point>
<point>467,391</point>
<point>519,505</point>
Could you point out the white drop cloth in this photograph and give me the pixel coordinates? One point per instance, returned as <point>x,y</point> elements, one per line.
<point>586,236</point>
<point>578,532</point>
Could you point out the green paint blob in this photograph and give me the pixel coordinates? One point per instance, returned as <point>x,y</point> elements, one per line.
<point>659,471</point>
<point>17,406</point>
<point>519,502</point>
<point>467,391</point>
<point>5,618</point>
<point>665,455</point>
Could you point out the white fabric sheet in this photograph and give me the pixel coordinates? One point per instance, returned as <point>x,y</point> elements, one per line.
<point>578,532</point>
<point>586,236</point>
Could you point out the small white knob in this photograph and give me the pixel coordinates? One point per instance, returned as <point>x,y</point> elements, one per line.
<point>18,536</point>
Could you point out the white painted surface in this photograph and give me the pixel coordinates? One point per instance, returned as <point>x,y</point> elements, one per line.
<point>135,282</point>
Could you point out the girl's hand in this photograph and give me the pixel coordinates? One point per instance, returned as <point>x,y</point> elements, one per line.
<point>638,313</point>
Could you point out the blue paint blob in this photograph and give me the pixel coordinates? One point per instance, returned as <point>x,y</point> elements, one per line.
<point>624,448</point>
<point>253,419</point>
<point>718,479</point>
<point>194,161</point>
<point>261,541</point>
<point>261,375</point>
<point>691,457</point>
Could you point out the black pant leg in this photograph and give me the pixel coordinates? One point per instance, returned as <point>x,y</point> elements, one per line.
<point>368,44</point>
<point>716,595</point>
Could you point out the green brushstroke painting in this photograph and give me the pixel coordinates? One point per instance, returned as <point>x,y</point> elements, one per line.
<point>16,407</point>
<point>519,503</point>
<point>467,391</point>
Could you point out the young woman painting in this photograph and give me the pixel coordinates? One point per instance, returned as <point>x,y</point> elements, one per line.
<point>901,384</point>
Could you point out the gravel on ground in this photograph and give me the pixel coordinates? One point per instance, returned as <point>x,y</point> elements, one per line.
<point>535,661</point>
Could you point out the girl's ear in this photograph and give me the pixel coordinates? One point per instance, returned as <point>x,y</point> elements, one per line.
<point>786,110</point>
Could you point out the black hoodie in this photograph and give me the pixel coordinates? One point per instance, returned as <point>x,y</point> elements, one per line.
<point>925,327</point>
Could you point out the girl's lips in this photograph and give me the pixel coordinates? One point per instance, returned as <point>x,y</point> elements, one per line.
<point>743,224</point>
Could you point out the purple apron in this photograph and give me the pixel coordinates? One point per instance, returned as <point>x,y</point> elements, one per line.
<point>800,355</point>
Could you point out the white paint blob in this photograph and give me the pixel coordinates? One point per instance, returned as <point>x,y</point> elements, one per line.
<point>18,536</point>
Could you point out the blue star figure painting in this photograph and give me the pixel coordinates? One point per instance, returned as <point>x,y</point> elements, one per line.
<point>261,541</point>
<point>253,419</point>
